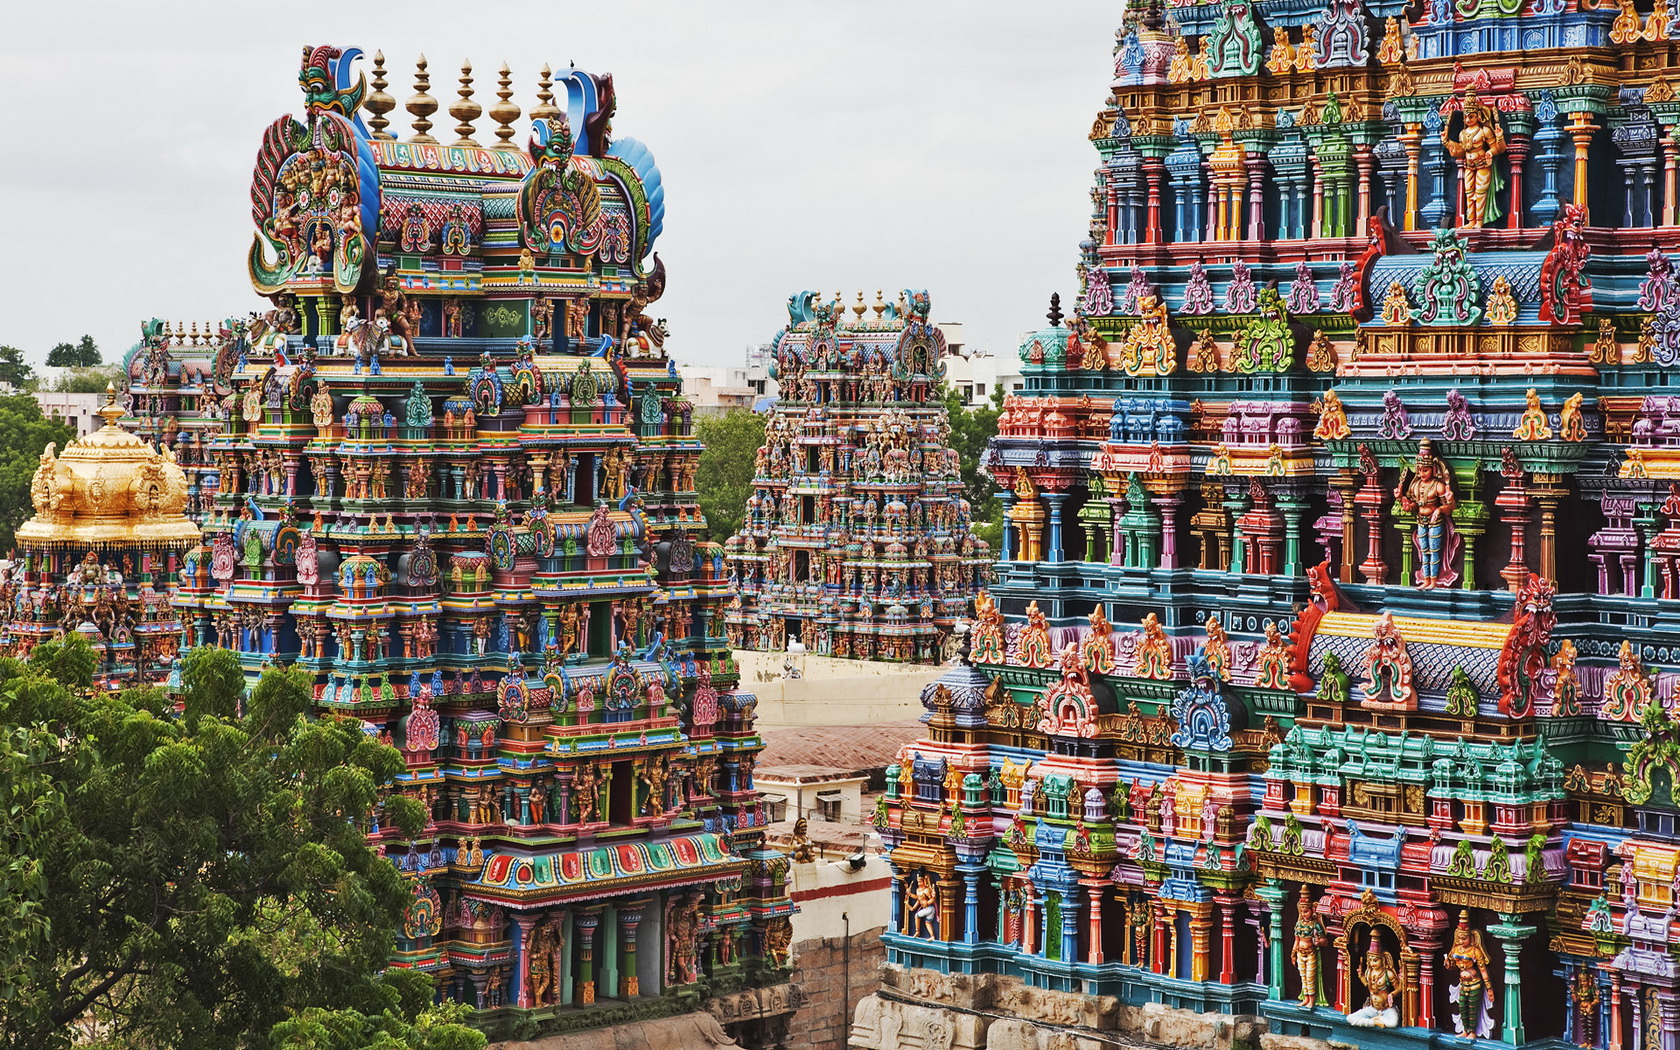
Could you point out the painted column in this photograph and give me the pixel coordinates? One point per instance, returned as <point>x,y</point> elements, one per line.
<point>1512,931</point>
<point>1167,507</point>
<point>1093,931</point>
<point>1158,959</point>
<point>1070,927</point>
<point>1152,169</point>
<point>1007,549</point>
<point>1581,133</point>
<point>587,922</point>
<point>971,904</point>
<point>1055,500</point>
<point>1426,984</point>
<point>1615,998</point>
<point>1201,926</point>
<point>629,915</point>
<point>1273,894</point>
<point>522,951</point>
<point>1227,943</point>
<point>1029,920</point>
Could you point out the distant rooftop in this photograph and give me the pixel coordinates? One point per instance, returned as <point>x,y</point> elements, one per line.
<point>837,749</point>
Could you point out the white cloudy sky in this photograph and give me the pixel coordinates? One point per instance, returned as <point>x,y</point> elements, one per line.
<point>843,145</point>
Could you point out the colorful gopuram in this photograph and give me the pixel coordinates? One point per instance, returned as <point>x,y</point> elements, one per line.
<point>1329,679</point>
<point>857,539</point>
<point>456,485</point>
<point>179,397</point>
<point>101,555</point>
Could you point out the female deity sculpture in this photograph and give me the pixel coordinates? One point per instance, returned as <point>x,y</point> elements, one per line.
<point>925,909</point>
<point>1427,491</point>
<point>1309,938</point>
<point>1472,993</point>
<point>1478,143</point>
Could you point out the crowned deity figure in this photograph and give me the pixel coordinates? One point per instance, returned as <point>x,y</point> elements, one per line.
<point>1382,991</point>
<point>1426,490</point>
<point>1310,936</point>
<point>1479,141</point>
<point>1471,993</point>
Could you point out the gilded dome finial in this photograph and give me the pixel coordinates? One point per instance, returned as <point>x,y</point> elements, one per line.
<point>420,105</point>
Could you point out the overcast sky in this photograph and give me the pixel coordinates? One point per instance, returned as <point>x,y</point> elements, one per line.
<point>844,145</point>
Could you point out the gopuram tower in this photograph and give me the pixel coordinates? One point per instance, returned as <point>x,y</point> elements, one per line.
<point>456,485</point>
<point>1327,687</point>
<point>857,538</point>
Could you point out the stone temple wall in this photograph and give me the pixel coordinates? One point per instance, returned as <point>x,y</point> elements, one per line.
<point>831,985</point>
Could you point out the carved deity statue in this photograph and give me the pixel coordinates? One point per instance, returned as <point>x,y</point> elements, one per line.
<point>1472,994</point>
<point>1478,143</point>
<point>1309,938</point>
<point>1427,491</point>
<point>1383,982</point>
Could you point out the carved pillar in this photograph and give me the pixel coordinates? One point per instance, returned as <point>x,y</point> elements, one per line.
<point>1581,133</point>
<point>947,908</point>
<point>1152,169</point>
<point>1519,128</point>
<point>1070,927</point>
<point>1615,1011</point>
<point>1346,482</point>
<point>1512,931</point>
<point>1256,197</point>
<point>1093,929</point>
<point>1364,162</point>
<point>971,904</point>
<point>1513,514</point>
<point>587,921</point>
<point>1201,927</point>
<point>1273,894</point>
<point>1410,140</point>
<point>629,916</point>
<point>1158,950</point>
<point>1369,501</point>
<point>1669,148</point>
<point>1548,492</point>
<point>1055,500</point>
<point>526,923</point>
<point>1007,543</point>
<point>1029,919</point>
<point>1426,984</point>
<point>1167,507</point>
<point>1227,942</point>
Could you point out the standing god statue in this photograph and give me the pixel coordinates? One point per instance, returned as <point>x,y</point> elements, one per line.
<point>1479,141</point>
<point>1426,490</point>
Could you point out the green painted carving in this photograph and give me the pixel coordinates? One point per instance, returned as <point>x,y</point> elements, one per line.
<point>1266,344</point>
<point>1461,694</point>
<point>1448,290</point>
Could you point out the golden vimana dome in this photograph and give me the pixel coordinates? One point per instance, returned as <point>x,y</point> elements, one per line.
<point>109,489</point>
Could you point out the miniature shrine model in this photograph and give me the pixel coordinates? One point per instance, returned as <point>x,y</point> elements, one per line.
<point>455,482</point>
<point>1330,673</point>
<point>857,538</point>
<point>101,554</point>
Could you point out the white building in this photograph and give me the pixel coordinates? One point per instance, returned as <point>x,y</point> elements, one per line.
<point>77,410</point>
<point>974,373</point>
<point>725,388</point>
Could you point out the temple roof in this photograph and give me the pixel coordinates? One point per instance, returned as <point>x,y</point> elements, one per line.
<point>108,490</point>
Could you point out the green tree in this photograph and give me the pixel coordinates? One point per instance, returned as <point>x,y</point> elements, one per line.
<point>971,430</point>
<point>200,879</point>
<point>725,475</point>
<point>84,354</point>
<point>24,433</point>
<point>13,368</point>
<point>89,380</point>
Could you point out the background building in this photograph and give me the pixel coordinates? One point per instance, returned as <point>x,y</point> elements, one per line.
<point>975,375</point>
<point>1325,689</point>
<point>857,540</point>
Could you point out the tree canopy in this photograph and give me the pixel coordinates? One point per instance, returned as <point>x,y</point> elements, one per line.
<point>90,379</point>
<point>84,354</point>
<point>14,369</point>
<point>24,433</point>
<point>200,879</point>
<point>725,475</point>
<point>971,430</point>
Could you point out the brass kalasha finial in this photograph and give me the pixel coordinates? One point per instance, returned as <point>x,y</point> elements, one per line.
<point>860,309</point>
<point>545,107</point>
<point>379,103</point>
<point>465,109</point>
<point>880,305</point>
<point>420,105</point>
<point>504,111</point>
